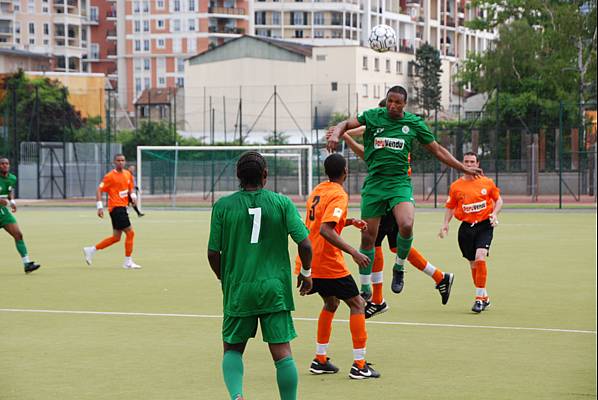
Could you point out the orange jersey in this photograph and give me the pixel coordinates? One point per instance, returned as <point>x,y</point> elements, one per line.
<point>117,185</point>
<point>473,200</point>
<point>327,203</point>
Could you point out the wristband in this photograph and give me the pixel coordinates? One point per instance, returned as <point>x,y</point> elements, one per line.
<point>306,272</point>
<point>12,202</point>
<point>99,205</point>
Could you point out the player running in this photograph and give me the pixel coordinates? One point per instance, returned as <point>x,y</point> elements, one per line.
<point>248,252</point>
<point>326,217</point>
<point>119,185</point>
<point>8,183</point>
<point>475,202</point>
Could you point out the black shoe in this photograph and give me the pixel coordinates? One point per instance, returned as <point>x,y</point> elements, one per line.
<point>478,306</point>
<point>30,267</point>
<point>140,214</point>
<point>444,287</point>
<point>372,309</point>
<point>367,296</point>
<point>397,281</point>
<point>318,368</point>
<point>363,373</point>
<point>486,304</point>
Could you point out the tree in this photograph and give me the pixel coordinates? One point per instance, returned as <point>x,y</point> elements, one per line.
<point>546,52</point>
<point>428,70</point>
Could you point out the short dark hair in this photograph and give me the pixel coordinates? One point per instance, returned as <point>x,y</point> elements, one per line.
<point>334,165</point>
<point>382,103</point>
<point>119,155</point>
<point>471,153</point>
<point>398,89</point>
<point>250,169</point>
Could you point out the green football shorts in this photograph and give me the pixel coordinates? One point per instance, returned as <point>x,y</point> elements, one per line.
<point>276,328</point>
<point>6,218</point>
<point>381,193</point>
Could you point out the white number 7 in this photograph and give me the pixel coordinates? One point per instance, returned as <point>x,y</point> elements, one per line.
<point>257,223</point>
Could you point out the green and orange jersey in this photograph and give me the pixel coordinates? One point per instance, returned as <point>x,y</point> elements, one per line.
<point>118,185</point>
<point>327,203</point>
<point>473,199</point>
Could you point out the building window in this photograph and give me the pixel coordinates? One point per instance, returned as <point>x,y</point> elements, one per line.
<point>364,89</point>
<point>136,7</point>
<point>388,66</point>
<point>376,64</point>
<point>146,45</point>
<point>318,34</point>
<point>191,45</point>
<point>46,29</point>
<point>160,43</point>
<point>191,24</point>
<point>31,28</point>
<point>146,7</point>
<point>146,26</point>
<point>191,5</point>
<point>177,5</point>
<point>180,64</point>
<point>319,18</point>
<point>299,18</point>
<point>176,26</point>
<point>334,86</point>
<point>364,63</point>
<point>137,45</point>
<point>93,14</point>
<point>147,83</point>
<point>298,34</point>
<point>137,85</point>
<point>94,49</point>
<point>137,26</point>
<point>161,64</point>
<point>45,10</point>
<point>161,81</point>
<point>146,64</point>
<point>180,82</point>
<point>399,68</point>
<point>321,57</point>
<point>160,4</point>
<point>32,40</point>
<point>275,18</point>
<point>160,23</point>
<point>176,45</point>
<point>260,17</point>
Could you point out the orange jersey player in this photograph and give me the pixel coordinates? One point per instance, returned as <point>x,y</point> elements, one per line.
<point>475,202</point>
<point>119,185</point>
<point>326,217</point>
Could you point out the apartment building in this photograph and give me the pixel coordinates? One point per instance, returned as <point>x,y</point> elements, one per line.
<point>59,28</point>
<point>101,57</point>
<point>157,36</point>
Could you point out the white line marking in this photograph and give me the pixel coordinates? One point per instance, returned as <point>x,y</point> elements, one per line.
<point>141,314</point>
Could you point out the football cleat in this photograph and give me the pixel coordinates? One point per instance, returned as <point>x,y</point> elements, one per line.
<point>372,309</point>
<point>30,267</point>
<point>366,372</point>
<point>397,281</point>
<point>318,368</point>
<point>444,287</point>
<point>478,306</point>
<point>131,265</point>
<point>486,304</point>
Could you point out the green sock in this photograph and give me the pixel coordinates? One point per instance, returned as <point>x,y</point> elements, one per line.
<point>365,274</point>
<point>287,378</point>
<point>403,248</point>
<point>232,369</point>
<point>21,248</point>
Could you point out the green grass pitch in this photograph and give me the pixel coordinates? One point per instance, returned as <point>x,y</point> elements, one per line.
<point>542,274</point>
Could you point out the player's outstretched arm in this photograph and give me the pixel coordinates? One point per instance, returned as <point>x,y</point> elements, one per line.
<point>304,282</point>
<point>327,231</point>
<point>357,148</point>
<point>99,204</point>
<point>338,131</point>
<point>214,260</point>
<point>447,158</point>
<point>448,215</point>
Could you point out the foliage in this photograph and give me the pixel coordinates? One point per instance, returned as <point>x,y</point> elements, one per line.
<point>428,89</point>
<point>337,118</point>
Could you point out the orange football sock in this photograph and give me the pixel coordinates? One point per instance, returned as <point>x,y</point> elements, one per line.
<point>473,274</point>
<point>480,277</point>
<point>324,331</point>
<point>109,241</point>
<point>419,262</point>
<point>359,336</point>
<point>377,277</point>
<point>129,242</point>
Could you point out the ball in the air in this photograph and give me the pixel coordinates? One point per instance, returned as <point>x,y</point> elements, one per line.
<point>382,38</point>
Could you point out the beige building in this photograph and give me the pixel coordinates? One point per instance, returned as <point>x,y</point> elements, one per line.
<point>12,60</point>
<point>267,86</point>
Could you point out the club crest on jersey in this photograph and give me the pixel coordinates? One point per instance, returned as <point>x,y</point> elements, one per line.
<point>378,131</point>
<point>484,191</point>
<point>391,143</point>
<point>405,129</point>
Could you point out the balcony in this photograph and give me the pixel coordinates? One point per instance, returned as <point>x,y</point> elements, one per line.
<point>5,30</point>
<point>111,15</point>
<point>226,29</point>
<point>93,19</point>
<point>6,11</point>
<point>111,52</point>
<point>226,10</point>
<point>406,46</point>
<point>111,34</point>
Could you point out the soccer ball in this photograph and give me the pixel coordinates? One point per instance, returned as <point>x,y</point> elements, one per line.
<point>382,38</point>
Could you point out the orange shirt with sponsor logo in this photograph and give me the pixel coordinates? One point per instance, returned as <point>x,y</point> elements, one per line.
<point>473,200</point>
<point>117,185</point>
<point>327,203</point>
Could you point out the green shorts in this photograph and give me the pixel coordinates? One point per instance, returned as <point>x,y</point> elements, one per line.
<point>6,218</point>
<point>276,328</point>
<point>381,193</point>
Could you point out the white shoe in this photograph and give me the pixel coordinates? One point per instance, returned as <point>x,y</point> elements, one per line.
<point>88,252</point>
<point>131,265</point>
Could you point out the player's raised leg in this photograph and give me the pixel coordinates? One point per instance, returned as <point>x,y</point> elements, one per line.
<point>444,280</point>
<point>90,251</point>
<point>321,363</point>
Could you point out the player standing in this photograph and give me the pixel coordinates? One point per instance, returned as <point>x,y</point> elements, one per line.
<point>8,183</point>
<point>475,202</point>
<point>248,252</point>
<point>119,185</point>
<point>388,139</point>
<point>326,217</point>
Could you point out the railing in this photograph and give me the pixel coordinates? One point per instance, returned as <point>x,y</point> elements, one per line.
<point>5,29</point>
<point>226,29</point>
<point>111,33</point>
<point>226,10</point>
<point>111,14</point>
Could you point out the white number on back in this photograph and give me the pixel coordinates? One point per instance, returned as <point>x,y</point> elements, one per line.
<point>257,223</point>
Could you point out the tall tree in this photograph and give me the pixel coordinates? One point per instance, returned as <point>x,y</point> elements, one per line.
<point>428,70</point>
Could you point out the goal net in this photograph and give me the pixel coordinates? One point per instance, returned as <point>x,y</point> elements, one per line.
<point>200,175</point>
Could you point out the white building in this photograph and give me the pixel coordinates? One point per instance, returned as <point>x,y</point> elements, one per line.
<point>270,86</point>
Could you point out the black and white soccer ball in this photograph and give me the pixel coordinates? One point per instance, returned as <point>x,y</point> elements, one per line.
<point>382,38</point>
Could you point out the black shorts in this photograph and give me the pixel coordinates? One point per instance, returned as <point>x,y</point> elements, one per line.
<point>388,228</point>
<point>120,218</point>
<point>342,288</point>
<point>471,238</point>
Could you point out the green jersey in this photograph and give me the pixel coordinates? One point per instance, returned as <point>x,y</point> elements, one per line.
<point>250,230</point>
<point>388,141</point>
<point>7,185</point>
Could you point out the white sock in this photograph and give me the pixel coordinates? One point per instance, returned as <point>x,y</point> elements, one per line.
<point>321,349</point>
<point>128,260</point>
<point>25,260</point>
<point>429,269</point>
<point>480,292</point>
<point>359,354</point>
<point>365,279</point>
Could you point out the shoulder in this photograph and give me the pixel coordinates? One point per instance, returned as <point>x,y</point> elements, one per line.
<point>412,117</point>
<point>372,113</point>
<point>12,178</point>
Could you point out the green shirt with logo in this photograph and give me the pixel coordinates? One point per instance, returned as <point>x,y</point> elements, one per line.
<point>7,184</point>
<point>250,229</point>
<point>388,141</point>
